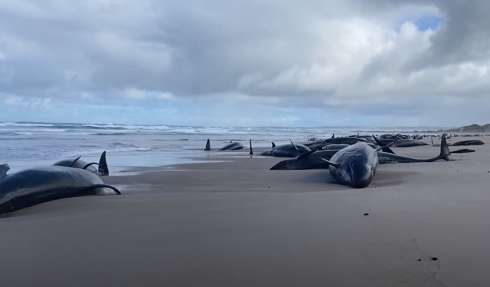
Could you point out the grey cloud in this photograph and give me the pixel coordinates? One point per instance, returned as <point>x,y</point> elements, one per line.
<point>301,51</point>
<point>462,37</point>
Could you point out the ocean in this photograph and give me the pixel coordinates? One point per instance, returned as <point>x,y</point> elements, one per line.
<point>28,144</point>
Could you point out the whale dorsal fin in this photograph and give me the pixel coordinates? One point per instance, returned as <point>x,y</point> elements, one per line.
<point>208,145</point>
<point>103,167</point>
<point>333,135</point>
<point>296,148</point>
<point>445,152</point>
<point>273,145</point>
<point>3,169</point>
<point>377,141</point>
<point>74,161</point>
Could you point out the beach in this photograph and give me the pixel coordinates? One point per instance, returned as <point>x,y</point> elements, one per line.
<point>232,222</point>
<point>244,143</point>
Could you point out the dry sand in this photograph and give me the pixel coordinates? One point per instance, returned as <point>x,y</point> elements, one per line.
<point>237,223</point>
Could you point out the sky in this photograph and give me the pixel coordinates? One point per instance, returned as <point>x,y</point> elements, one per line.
<point>246,63</point>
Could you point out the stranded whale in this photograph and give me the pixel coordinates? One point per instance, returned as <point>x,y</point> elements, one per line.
<point>287,150</point>
<point>314,159</point>
<point>38,185</point>
<point>354,165</point>
<point>231,146</point>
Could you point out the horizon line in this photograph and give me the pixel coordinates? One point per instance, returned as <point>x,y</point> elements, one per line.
<point>159,124</point>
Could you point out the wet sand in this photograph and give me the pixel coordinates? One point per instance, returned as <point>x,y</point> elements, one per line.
<point>236,223</point>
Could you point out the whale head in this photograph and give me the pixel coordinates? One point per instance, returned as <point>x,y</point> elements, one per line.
<point>360,174</point>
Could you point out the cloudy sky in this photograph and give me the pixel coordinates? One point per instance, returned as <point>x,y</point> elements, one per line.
<point>246,63</point>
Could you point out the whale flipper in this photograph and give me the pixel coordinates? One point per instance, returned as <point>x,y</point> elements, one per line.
<point>336,165</point>
<point>101,185</point>
<point>302,156</point>
<point>3,169</point>
<point>89,164</point>
<point>387,149</point>
<point>387,146</point>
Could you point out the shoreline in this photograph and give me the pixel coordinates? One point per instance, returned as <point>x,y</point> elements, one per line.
<point>120,161</point>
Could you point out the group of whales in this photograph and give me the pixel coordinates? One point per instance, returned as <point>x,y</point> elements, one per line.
<point>64,179</point>
<point>351,161</point>
<point>416,140</point>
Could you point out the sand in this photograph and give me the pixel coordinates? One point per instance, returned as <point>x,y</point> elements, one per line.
<point>236,223</point>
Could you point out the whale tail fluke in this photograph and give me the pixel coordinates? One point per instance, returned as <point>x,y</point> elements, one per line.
<point>445,152</point>
<point>208,145</point>
<point>103,167</point>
